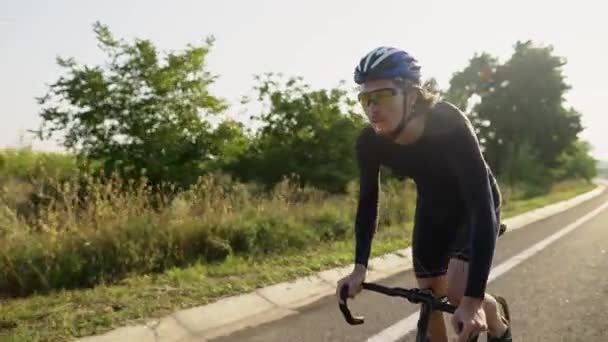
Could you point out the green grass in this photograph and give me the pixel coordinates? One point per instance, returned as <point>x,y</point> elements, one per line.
<point>27,163</point>
<point>68,314</point>
<point>559,192</point>
<point>59,316</point>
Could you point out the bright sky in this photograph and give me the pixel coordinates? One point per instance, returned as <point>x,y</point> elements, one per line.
<point>320,40</point>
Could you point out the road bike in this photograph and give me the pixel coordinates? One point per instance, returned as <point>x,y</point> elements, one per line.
<point>425,297</point>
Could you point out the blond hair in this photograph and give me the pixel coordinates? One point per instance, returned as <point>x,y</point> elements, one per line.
<point>425,98</point>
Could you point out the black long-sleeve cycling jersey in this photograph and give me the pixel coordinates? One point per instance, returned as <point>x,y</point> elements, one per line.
<point>450,173</point>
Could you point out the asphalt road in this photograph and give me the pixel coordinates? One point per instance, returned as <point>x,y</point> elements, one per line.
<point>557,294</point>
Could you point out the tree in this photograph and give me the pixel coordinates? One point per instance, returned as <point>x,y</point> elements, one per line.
<point>472,80</point>
<point>140,113</point>
<point>576,162</point>
<point>304,132</point>
<point>521,168</point>
<point>230,142</point>
<point>518,102</point>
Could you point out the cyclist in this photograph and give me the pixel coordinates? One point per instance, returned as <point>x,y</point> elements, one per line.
<point>458,201</point>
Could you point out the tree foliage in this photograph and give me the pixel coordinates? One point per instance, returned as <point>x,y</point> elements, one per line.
<point>304,132</point>
<point>141,113</point>
<point>147,113</point>
<point>518,103</point>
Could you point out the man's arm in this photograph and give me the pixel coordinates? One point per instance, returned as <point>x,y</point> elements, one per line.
<point>367,208</point>
<point>470,168</point>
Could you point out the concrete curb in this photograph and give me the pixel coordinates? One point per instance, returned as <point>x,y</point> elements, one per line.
<point>280,300</point>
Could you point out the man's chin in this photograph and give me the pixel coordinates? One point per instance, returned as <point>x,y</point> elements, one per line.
<point>381,130</point>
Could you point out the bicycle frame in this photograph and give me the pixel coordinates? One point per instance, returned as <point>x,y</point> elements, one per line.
<point>424,297</point>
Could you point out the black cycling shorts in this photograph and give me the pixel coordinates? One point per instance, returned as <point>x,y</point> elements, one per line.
<point>438,236</point>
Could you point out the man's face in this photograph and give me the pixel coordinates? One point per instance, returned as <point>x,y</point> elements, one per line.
<point>383,104</point>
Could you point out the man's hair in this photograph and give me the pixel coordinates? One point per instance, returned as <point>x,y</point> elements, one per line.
<point>426,99</point>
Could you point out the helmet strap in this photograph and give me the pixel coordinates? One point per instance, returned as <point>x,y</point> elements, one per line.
<point>404,121</point>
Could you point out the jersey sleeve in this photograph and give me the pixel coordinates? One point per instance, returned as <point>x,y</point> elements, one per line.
<point>367,207</point>
<point>470,169</point>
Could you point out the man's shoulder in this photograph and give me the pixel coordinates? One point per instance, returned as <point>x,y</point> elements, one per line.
<point>446,118</point>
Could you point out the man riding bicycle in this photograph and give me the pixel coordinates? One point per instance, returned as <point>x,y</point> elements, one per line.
<point>457,208</point>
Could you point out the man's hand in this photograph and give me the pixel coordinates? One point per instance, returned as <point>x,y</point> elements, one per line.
<point>353,281</point>
<point>472,317</point>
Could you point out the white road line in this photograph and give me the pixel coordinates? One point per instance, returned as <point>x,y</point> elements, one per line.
<point>405,326</point>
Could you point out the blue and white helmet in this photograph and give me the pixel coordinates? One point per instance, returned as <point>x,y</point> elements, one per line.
<point>387,63</point>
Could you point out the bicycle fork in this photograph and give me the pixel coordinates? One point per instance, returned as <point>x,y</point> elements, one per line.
<point>423,322</point>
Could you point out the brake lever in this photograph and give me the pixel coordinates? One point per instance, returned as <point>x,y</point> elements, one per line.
<point>352,320</point>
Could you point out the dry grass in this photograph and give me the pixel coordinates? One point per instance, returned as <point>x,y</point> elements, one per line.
<point>86,232</point>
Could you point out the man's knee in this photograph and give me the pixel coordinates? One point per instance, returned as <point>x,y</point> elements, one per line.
<point>437,284</point>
